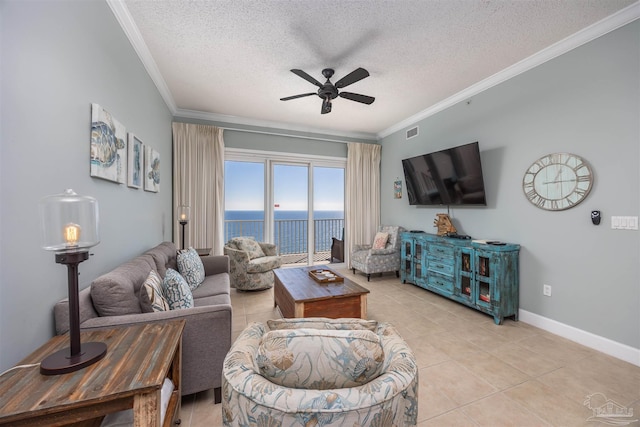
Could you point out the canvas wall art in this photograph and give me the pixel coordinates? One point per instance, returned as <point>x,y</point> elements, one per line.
<point>108,146</point>
<point>397,189</point>
<point>151,170</point>
<point>135,157</point>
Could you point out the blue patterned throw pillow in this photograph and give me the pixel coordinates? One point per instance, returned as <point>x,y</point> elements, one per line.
<point>191,268</point>
<point>176,290</point>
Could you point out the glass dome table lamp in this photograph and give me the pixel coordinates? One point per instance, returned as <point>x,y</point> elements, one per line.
<point>70,227</point>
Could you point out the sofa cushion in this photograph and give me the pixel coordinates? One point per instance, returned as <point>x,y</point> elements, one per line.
<point>322,323</point>
<point>216,300</point>
<point>250,246</point>
<point>215,284</point>
<point>176,290</point>
<point>261,265</point>
<point>320,359</point>
<point>151,297</point>
<point>191,268</point>
<point>164,256</point>
<point>115,293</point>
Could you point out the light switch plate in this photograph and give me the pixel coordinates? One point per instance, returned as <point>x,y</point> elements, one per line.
<point>615,222</point>
<point>624,222</point>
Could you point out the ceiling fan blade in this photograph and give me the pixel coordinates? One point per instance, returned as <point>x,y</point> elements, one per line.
<point>357,97</point>
<point>307,77</point>
<point>297,96</point>
<point>352,77</point>
<point>326,106</point>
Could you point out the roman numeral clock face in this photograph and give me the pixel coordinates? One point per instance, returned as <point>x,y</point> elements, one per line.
<point>557,181</point>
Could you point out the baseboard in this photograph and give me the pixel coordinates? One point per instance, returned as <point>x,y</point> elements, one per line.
<point>596,342</point>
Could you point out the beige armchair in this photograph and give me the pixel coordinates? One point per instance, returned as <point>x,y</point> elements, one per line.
<point>369,259</point>
<point>252,263</point>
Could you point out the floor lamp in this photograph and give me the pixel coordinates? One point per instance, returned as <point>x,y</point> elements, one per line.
<point>70,228</point>
<point>183,219</point>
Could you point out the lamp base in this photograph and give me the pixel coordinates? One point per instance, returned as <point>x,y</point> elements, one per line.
<point>61,362</point>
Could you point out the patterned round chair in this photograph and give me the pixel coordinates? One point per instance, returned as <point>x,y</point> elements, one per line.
<point>252,263</point>
<point>317,371</point>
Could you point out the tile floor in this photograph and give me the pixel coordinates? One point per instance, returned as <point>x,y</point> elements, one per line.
<point>472,372</point>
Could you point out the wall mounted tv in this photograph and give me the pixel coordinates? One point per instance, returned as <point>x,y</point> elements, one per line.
<point>447,177</point>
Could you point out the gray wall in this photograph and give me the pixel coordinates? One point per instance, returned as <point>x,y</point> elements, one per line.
<point>57,58</point>
<point>281,140</point>
<point>586,102</point>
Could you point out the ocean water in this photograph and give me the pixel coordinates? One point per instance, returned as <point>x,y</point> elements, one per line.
<point>290,228</point>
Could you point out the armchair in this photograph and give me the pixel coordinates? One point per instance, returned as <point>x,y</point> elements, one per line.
<point>370,260</point>
<point>285,373</point>
<point>252,263</point>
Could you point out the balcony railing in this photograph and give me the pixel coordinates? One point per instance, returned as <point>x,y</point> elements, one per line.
<point>291,236</point>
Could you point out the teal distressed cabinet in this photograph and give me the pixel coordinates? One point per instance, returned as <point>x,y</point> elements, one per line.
<point>479,275</point>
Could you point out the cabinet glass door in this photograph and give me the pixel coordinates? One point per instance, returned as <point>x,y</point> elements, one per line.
<point>418,260</point>
<point>407,248</point>
<point>466,272</point>
<point>484,278</point>
<point>406,259</point>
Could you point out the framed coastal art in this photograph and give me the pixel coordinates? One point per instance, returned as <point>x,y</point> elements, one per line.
<point>151,170</point>
<point>135,157</point>
<point>108,146</point>
<point>397,189</point>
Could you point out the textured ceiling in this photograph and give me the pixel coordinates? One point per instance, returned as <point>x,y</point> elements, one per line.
<point>230,60</point>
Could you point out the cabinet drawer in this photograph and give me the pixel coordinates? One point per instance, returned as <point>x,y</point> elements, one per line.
<point>439,265</point>
<point>444,284</point>
<point>441,251</point>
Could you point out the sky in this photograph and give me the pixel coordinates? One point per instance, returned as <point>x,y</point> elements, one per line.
<point>244,187</point>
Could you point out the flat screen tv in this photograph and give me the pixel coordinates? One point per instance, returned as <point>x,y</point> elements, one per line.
<point>448,177</point>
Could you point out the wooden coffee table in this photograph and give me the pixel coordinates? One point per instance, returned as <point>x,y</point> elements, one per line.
<point>298,295</point>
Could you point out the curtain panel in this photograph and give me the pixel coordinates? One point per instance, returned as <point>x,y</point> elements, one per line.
<point>198,168</point>
<point>362,195</point>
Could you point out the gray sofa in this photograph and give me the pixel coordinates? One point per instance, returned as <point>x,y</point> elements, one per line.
<point>112,300</point>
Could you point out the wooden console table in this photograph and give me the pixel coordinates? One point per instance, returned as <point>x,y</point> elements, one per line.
<point>131,374</point>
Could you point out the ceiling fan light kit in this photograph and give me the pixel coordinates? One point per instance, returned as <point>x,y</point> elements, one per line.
<point>329,91</point>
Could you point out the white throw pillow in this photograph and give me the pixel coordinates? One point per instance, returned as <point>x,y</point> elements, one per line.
<point>380,241</point>
<point>151,296</point>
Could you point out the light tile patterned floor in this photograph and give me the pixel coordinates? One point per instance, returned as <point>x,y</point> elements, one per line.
<point>472,372</point>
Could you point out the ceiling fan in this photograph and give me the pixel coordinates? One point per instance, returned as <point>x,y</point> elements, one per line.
<point>329,91</point>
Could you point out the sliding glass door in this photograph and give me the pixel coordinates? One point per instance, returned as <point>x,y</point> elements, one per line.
<point>291,211</point>
<point>299,205</point>
<point>244,195</point>
<point>328,207</point>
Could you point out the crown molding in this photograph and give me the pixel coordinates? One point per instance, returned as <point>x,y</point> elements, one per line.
<point>221,118</point>
<point>129,27</point>
<point>598,29</point>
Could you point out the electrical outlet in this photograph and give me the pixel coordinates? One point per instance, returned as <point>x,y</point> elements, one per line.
<point>546,290</point>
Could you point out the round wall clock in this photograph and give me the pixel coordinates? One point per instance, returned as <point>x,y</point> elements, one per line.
<point>557,181</point>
